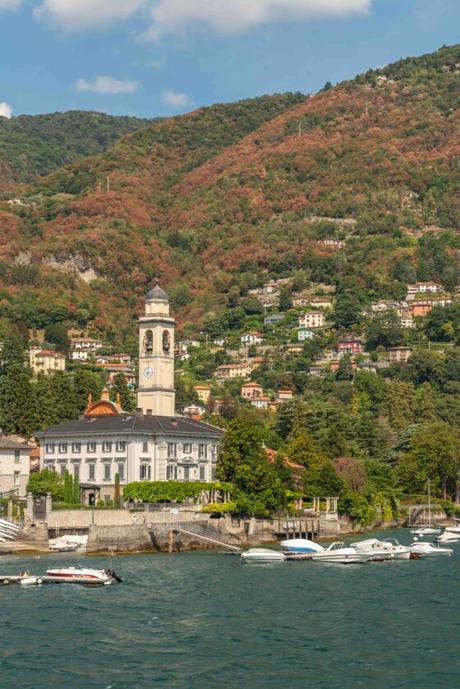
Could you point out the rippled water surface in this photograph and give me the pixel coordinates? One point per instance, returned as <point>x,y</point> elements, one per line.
<point>202,620</point>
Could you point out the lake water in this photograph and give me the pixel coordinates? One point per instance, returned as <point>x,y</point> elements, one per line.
<point>202,620</point>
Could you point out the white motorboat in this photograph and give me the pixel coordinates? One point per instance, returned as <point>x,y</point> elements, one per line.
<point>262,556</point>
<point>30,580</point>
<point>301,545</point>
<point>422,531</point>
<point>400,552</point>
<point>377,551</point>
<point>448,537</point>
<point>340,553</point>
<point>8,530</point>
<point>421,549</point>
<point>81,575</point>
<point>453,529</point>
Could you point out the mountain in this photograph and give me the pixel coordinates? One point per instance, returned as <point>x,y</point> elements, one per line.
<point>219,199</point>
<point>33,146</point>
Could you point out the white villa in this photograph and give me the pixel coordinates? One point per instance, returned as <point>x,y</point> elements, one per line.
<point>152,444</point>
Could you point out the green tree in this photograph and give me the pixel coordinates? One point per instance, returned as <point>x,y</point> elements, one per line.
<point>120,388</point>
<point>285,299</point>
<point>17,401</point>
<point>46,481</point>
<point>384,330</point>
<point>243,462</point>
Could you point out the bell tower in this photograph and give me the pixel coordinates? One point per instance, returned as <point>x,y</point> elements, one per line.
<point>155,393</point>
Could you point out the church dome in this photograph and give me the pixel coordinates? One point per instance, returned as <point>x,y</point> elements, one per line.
<point>157,294</point>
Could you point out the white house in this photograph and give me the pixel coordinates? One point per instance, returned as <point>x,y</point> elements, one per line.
<point>81,348</point>
<point>252,338</point>
<point>305,334</point>
<point>261,402</point>
<point>150,444</point>
<point>14,465</point>
<point>429,287</point>
<point>312,319</point>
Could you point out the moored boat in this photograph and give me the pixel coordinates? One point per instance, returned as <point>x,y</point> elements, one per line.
<point>340,553</point>
<point>448,537</point>
<point>262,556</point>
<point>429,550</point>
<point>81,575</point>
<point>301,545</point>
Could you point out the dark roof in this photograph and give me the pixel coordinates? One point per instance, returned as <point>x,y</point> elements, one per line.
<point>132,423</point>
<point>157,294</point>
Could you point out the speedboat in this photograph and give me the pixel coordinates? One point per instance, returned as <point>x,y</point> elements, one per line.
<point>30,580</point>
<point>302,545</point>
<point>81,575</point>
<point>262,556</point>
<point>422,531</point>
<point>8,530</point>
<point>453,529</point>
<point>376,550</point>
<point>448,537</point>
<point>399,552</point>
<point>429,550</point>
<point>340,553</point>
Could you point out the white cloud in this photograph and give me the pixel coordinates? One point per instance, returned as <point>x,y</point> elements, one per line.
<point>6,110</point>
<point>235,16</point>
<point>75,15</point>
<point>9,4</point>
<point>175,99</point>
<point>107,85</point>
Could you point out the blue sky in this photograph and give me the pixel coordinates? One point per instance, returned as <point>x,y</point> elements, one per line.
<point>163,57</point>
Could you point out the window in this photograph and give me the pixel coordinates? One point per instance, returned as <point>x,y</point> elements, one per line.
<point>17,477</point>
<point>76,470</point>
<point>121,471</point>
<point>49,448</point>
<point>166,341</point>
<point>171,472</point>
<point>107,471</point>
<point>76,447</point>
<point>121,446</point>
<point>145,446</point>
<point>107,446</point>
<point>145,472</point>
<point>62,448</point>
<point>91,448</point>
<point>186,473</point>
<point>91,472</point>
<point>172,450</point>
<point>148,342</point>
<point>187,448</point>
<point>202,472</point>
<point>213,473</point>
<point>107,499</point>
<point>202,451</point>
<point>63,469</point>
<point>17,456</point>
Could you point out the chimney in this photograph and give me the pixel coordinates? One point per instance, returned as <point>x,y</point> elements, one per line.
<point>139,413</point>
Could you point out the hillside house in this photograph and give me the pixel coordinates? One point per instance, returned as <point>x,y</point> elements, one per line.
<point>304,334</point>
<point>405,317</point>
<point>230,371</point>
<point>82,348</point>
<point>274,319</point>
<point>285,395</point>
<point>420,307</point>
<point>350,345</point>
<point>45,361</point>
<point>261,402</point>
<point>399,355</point>
<point>312,319</point>
<point>249,391</point>
<point>14,464</point>
<point>424,288</point>
<point>203,392</point>
<point>321,303</point>
<point>194,411</point>
<point>294,348</point>
<point>112,369</point>
<point>252,338</point>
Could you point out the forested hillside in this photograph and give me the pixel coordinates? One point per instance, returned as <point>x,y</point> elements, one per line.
<point>33,146</point>
<point>224,197</point>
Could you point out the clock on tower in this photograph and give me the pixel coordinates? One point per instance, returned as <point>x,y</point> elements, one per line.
<point>156,356</point>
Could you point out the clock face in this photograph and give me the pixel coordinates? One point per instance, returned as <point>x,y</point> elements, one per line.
<point>148,371</point>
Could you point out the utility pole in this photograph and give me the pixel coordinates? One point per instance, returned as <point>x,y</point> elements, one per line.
<point>300,129</point>
<point>108,184</point>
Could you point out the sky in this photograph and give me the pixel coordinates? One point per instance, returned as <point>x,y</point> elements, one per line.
<point>164,57</point>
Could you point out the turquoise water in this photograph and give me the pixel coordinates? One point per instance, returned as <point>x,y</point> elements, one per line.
<point>202,620</point>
